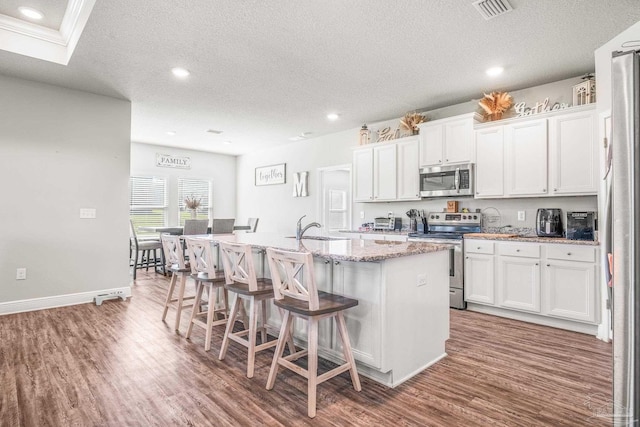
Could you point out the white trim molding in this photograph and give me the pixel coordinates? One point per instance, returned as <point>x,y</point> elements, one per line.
<point>60,300</point>
<point>36,41</point>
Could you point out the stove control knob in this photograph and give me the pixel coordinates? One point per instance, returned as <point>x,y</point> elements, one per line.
<point>437,216</point>
<point>431,216</point>
<point>464,217</point>
<point>475,217</point>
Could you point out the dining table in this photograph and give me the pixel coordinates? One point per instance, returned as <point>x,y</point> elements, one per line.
<point>179,229</point>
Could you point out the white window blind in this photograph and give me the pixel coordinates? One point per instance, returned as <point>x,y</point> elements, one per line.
<point>147,202</point>
<point>194,188</point>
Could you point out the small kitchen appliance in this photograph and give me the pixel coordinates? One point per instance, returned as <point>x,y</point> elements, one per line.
<point>549,222</point>
<point>449,228</point>
<point>385,223</point>
<point>581,225</point>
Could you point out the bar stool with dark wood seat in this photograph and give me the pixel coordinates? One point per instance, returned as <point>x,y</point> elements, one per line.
<point>203,271</point>
<point>179,268</point>
<point>241,279</point>
<point>295,291</point>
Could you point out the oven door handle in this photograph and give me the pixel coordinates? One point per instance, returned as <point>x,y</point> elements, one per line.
<point>456,180</point>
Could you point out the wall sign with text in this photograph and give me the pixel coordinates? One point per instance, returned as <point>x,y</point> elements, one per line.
<point>169,161</point>
<point>270,175</point>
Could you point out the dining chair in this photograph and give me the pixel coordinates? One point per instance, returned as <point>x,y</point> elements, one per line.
<point>179,268</point>
<point>295,291</point>
<point>222,226</point>
<point>203,271</point>
<point>241,279</point>
<point>253,225</point>
<point>195,226</point>
<point>144,247</point>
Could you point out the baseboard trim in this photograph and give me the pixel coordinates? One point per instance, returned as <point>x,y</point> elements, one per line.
<point>44,303</point>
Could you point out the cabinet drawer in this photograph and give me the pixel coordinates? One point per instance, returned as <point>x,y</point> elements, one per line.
<point>571,253</point>
<point>478,246</point>
<point>527,250</point>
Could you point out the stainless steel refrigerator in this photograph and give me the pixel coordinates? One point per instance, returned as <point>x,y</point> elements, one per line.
<point>625,78</point>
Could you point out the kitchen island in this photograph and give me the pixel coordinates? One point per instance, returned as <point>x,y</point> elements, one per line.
<point>401,323</point>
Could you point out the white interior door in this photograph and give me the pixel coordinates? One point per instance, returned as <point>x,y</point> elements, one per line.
<point>335,193</point>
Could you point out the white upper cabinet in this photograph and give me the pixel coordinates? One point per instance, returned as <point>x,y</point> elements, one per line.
<point>447,141</point>
<point>573,154</point>
<point>526,158</point>
<point>384,172</point>
<point>363,175</point>
<point>408,170</point>
<point>490,162</point>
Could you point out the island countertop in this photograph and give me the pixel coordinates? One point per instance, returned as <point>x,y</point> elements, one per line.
<point>342,249</point>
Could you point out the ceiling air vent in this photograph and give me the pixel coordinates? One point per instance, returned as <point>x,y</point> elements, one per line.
<point>492,8</point>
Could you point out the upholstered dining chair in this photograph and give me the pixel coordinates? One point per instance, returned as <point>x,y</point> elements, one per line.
<point>295,291</point>
<point>222,225</point>
<point>143,247</point>
<point>195,226</point>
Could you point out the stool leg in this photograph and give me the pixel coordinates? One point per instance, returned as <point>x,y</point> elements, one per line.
<point>196,308</point>
<point>253,325</point>
<point>183,284</point>
<point>284,332</point>
<point>346,348</point>
<point>289,337</point>
<point>312,370</point>
<point>135,263</point>
<point>145,259</point>
<point>172,286</point>
<point>229,329</point>
<point>210,311</point>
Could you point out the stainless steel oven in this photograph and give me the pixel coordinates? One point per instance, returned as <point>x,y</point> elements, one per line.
<point>447,181</point>
<point>449,228</point>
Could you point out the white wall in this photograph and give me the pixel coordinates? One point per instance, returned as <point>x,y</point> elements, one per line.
<point>278,210</point>
<point>62,150</point>
<point>218,168</point>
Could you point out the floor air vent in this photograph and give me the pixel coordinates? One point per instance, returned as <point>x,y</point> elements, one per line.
<point>492,8</point>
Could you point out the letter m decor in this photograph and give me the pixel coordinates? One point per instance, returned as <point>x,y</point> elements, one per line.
<point>300,185</point>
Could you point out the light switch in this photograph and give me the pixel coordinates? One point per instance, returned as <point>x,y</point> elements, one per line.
<point>521,215</point>
<point>361,214</point>
<point>87,213</point>
<point>21,273</point>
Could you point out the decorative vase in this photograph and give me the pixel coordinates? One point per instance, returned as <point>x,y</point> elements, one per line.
<point>194,214</point>
<point>365,135</point>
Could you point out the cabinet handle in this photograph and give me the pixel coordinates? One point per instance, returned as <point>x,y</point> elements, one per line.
<point>477,192</point>
<point>327,261</point>
<point>536,263</point>
<point>479,248</point>
<point>517,250</point>
<point>336,263</point>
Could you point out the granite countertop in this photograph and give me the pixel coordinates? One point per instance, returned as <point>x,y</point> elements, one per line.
<point>530,239</point>
<point>397,233</point>
<point>335,248</point>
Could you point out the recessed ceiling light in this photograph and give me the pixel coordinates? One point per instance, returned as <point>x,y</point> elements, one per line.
<point>333,116</point>
<point>171,133</point>
<point>31,13</point>
<point>214,131</point>
<point>181,73</point>
<point>495,71</point>
<point>227,142</point>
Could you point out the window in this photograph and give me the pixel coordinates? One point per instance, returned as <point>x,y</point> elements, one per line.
<point>198,189</point>
<point>147,202</point>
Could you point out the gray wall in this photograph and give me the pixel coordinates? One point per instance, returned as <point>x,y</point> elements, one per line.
<point>62,150</point>
<point>218,168</point>
<point>278,210</point>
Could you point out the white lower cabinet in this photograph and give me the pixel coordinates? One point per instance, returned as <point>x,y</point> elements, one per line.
<point>553,280</point>
<point>479,269</point>
<point>519,283</point>
<point>570,285</point>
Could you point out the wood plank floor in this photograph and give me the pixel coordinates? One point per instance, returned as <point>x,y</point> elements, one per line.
<point>119,365</point>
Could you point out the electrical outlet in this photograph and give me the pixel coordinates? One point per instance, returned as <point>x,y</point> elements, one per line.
<point>21,273</point>
<point>361,214</point>
<point>520,215</point>
<point>422,279</point>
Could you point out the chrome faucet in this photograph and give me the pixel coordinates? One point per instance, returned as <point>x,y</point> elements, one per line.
<point>300,231</point>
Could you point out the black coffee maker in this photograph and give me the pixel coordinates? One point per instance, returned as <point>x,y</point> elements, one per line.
<point>549,223</point>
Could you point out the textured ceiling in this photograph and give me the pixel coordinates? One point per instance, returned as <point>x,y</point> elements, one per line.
<point>53,10</point>
<point>265,71</point>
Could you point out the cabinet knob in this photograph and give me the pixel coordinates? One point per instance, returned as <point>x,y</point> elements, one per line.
<point>336,263</point>
<point>555,189</point>
<point>466,257</point>
<point>439,161</point>
<point>536,263</point>
<point>517,250</point>
<point>548,265</point>
<point>568,253</point>
<point>446,160</point>
<point>478,247</point>
<point>544,189</point>
<point>477,192</point>
<point>327,261</point>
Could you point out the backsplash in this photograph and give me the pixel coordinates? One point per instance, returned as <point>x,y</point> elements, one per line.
<point>497,213</point>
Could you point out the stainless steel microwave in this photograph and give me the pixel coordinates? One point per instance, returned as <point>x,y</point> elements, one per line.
<point>447,181</point>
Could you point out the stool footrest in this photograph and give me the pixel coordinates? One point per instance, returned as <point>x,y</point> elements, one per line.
<point>295,356</point>
<point>334,372</point>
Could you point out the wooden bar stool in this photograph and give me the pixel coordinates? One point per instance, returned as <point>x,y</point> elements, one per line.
<point>241,279</point>
<point>176,264</point>
<point>203,271</point>
<point>295,291</point>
